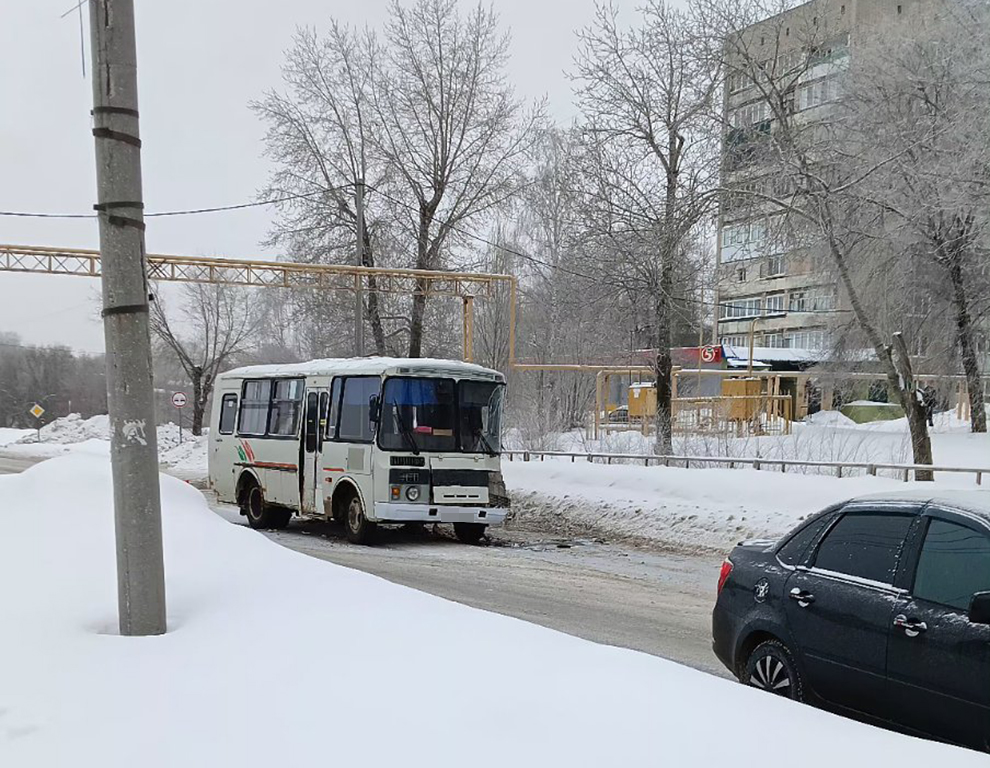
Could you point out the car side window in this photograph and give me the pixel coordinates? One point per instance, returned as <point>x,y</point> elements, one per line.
<point>792,552</point>
<point>228,414</point>
<point>865,545</point>
<point>954,565</point>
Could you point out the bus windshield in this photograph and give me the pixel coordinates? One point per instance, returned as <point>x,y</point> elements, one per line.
<point>420,414</point>
<point>480,409</point>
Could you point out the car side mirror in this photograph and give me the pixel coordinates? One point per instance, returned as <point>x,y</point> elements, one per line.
<point>979,608</point>
<point>374,408</point>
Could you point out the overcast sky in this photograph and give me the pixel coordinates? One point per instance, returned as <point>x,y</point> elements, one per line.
<point>199,63</point>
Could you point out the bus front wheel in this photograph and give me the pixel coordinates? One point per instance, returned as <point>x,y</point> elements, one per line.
<point>469,533</point>
<point>360,530</point>
<point>259,514</point>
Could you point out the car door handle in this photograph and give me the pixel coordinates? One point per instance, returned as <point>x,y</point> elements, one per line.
<point>911,627</point>
<point>803,598</point>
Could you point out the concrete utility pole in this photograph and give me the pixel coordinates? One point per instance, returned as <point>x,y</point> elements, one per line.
<point>130,397</point>
<point>358,293</point>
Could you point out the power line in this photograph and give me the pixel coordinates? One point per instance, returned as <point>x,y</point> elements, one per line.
<point>185,212</point>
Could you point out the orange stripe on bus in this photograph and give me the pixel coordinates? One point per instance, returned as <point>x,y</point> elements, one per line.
<point>333,469</point>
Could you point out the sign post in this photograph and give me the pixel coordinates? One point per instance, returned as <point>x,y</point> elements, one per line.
<point>179,400</point>
<point>37,411</point>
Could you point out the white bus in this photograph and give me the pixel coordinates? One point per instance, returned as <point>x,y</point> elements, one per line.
<point>362,441</point>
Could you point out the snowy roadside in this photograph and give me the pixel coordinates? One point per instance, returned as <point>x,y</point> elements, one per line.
<point>240,604</point>
<point>690,509</point>
<point>696,509</point>
<point>181,455</point>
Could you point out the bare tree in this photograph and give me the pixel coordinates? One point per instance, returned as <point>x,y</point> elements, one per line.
<point>795,141</point>
<point>915,106</point>
<point>448,126</point>
<point>215,323</point>
<point>320,139</point>
<point>648,96</point>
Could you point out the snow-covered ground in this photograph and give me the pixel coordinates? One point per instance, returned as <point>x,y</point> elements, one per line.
<point>184,454</point>
<point>275,658</point>
<point>696,508</point>
<point>826,436</point>
<point>9,435</point>
<point>686,508</point>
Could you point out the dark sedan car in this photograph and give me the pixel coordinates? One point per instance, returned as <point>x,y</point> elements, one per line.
<point>879,606</point>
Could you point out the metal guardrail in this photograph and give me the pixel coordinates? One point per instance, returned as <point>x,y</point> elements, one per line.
<point>732,462</point>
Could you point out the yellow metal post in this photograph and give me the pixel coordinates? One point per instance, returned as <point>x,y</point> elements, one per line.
<point>468,329</point>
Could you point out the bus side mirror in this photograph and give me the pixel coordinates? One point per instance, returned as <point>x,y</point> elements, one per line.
<point>979,608</point>
<point>374,408</point>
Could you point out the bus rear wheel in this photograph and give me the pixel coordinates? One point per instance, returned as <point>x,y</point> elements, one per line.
<point>359,529</point>
<point>469,533</point>
<point>259,514</point>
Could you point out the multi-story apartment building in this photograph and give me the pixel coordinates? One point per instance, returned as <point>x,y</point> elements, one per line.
<point>767,278</point>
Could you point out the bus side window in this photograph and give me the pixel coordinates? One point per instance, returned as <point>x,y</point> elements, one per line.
<point>355,410</point>
<point>334,408</point>
<point>254,407</point>
<point>283,419</point>
<point>228,414</point>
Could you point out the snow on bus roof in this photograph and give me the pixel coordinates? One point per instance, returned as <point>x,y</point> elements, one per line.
<point>365,365</point>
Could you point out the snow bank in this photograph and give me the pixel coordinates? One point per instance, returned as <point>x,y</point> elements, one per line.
<point>690,508</point>
<point>72,433</point>
<point>71,429</point>
<point>274,658</point>
<point>9,435</point>
<point>188,458</point>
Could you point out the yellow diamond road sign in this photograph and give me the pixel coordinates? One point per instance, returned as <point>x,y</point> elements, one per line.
<point>37,411</point>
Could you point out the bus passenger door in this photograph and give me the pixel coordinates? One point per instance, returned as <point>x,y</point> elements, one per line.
<point>310,491</point>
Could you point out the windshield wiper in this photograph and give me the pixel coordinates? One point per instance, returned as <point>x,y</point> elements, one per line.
<point>406,431</point>
<point>488,446</point>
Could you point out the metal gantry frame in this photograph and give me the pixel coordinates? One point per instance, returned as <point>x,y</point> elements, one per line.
<point>282,274</point>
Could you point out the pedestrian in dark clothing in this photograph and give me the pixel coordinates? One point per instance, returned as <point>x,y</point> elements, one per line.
<point>928,398</point>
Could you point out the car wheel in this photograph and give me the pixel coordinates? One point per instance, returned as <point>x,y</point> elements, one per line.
<point>469,533</point>
<point>771,667</point>
<point>260,515</point>
<point>359,529</point>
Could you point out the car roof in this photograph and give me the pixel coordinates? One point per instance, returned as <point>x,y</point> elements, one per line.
<point>977,501</point>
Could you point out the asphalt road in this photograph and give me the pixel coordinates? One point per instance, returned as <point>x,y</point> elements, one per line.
<point>12,464</point>
<point>647,600</point>
<point>656,602</point>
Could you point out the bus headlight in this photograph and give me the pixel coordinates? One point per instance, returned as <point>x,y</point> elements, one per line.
<point>412,493</point>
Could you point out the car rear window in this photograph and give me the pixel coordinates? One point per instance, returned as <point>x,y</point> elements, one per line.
<point>865,545</point>
<point>792,552</point>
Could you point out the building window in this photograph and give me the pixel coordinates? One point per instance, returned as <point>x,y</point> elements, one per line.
<point>744,307</point>
<point>741,274</point>
<point>817,93</point>
<point>734,341</point>
<point>750,114</point>
<point>774,340</point>
<point>774,304</point>
<point>774,266</point>
<point>798,301</point>
<point>810,339</point>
